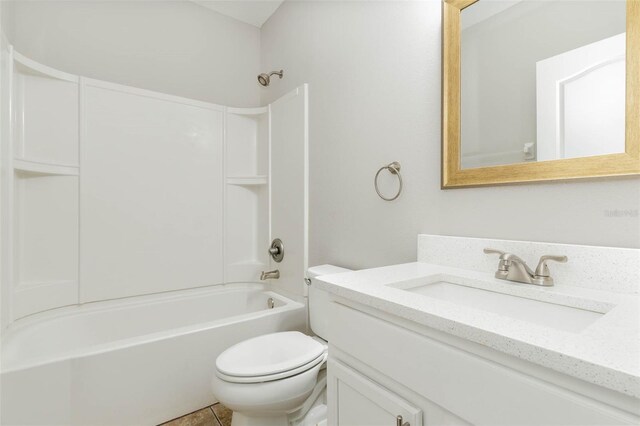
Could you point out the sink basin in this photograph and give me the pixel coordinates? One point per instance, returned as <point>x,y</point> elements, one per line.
<point>561,317</point>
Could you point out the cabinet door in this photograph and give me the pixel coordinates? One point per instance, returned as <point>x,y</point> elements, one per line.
<point>355,400</point>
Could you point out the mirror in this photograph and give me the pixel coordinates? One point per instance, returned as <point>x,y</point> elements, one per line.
<point>539,90</point>
<point>541,80</point>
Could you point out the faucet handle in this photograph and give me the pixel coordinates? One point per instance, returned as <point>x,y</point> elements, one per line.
<point>503,265</point>
<point>542,270</point>
<point>493,251</point>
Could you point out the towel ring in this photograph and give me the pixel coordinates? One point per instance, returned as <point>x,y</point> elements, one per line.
<point>394,169</point>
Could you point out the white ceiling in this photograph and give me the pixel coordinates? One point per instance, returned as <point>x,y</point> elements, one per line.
<point>252,12</point>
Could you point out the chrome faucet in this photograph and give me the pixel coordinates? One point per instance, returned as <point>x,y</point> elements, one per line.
<point>267,275</point>
<point>512,268</point>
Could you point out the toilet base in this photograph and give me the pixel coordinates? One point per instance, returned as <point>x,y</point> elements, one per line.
<point>310,413</point>
<point>240,419</point>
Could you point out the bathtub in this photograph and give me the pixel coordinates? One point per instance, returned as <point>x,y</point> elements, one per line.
<point>136,361</point>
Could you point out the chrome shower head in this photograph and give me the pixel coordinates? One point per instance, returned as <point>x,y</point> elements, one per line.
<point>265,79</point>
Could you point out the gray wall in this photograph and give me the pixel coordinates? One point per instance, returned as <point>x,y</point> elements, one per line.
<point>7,18</point>
<point>374,75</point>
<point>175,47</point>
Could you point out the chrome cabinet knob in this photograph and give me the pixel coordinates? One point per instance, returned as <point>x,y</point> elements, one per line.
<point>399,422</point>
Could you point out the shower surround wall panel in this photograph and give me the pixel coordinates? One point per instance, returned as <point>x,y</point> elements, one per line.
<point>266,192</point>
<point>151,193</point>
<point>247,207</point>
<point>5,173</point>
<point>114,191</point>
<point>289,185</point>
<point>169,194</point>
<point>41,163</point>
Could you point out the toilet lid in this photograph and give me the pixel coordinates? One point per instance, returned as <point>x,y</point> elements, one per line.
<point>269,354</point>
<point>271,377</point>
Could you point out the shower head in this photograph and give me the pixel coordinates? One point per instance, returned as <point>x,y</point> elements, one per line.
<point>265,79</point>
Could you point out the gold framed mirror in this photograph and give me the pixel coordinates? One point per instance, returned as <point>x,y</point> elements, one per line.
<point>571,112</point>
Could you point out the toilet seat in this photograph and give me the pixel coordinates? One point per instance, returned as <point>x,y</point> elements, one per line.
<point>271,377</point>
<point>266,398</point>
<point>270,357</point>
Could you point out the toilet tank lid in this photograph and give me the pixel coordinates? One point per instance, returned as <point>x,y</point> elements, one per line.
<point>316,271</point>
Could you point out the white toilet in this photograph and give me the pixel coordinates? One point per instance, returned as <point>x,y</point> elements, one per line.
<point>278,379</point>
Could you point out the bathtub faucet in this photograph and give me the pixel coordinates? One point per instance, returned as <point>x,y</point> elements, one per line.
<point>267,275</point>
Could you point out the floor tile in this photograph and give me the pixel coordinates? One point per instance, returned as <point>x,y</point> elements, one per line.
<point>223,414</point>
<point>204,417</point>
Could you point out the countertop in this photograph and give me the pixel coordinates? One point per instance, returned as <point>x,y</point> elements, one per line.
<point>605,353</point>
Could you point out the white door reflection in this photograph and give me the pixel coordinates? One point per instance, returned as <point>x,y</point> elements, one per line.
<point>581,101</point>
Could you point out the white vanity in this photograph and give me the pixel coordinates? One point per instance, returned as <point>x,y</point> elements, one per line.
<point>441,341</point>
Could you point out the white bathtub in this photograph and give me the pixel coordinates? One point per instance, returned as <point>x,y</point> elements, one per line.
<point>137,361</point>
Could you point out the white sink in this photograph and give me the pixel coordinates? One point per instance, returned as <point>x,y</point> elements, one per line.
<point>557,316</point>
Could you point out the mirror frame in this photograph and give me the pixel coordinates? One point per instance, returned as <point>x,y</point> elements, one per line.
<point>453,176</point>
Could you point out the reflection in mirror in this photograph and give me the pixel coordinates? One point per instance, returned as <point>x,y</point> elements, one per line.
<point>541,80</point>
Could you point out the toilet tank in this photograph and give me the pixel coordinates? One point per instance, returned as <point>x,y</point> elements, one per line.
<point>319,299</point>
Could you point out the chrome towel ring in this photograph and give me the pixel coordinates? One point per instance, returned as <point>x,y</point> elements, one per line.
<point>394,169</point>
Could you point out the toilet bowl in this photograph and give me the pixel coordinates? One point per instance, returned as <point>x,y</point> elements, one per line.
<point>275,379</point>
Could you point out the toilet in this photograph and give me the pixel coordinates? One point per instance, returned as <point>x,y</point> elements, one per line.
<point>279,379</point>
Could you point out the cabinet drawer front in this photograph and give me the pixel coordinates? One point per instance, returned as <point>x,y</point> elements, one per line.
<point>474,388</point>
<point>358,401</point>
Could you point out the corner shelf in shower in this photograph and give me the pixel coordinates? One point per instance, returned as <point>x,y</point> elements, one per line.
<point>247,180</point>
<point>247,192</point>
<point>42,227</point>
<point>29,66</point>
<point>248,111</point>
<point>40,168</point>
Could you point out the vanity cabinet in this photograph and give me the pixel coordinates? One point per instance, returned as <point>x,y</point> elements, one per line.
<point>381,366</point>
<point>363,402</point>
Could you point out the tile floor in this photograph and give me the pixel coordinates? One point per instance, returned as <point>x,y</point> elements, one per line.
<point>215,415</point>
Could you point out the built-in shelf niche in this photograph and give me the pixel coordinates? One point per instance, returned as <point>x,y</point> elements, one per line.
<point>247,193</point>
<point>46,105</point>
<point>247,180</point>
<point>37,168</point>
<point>45,187</point>
<point>45,242</point>
<point>247,149</point>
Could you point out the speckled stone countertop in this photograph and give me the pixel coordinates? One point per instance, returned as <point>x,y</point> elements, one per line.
<point>606,352</point>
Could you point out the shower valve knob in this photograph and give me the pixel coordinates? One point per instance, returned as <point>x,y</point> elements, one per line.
<point>277,250</point>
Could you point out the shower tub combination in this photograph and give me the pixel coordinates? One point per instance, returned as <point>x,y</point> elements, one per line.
<point>103,333</point>
<point>142,360</point>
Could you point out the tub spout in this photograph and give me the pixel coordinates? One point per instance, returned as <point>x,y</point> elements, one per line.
<point>267,275</point>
